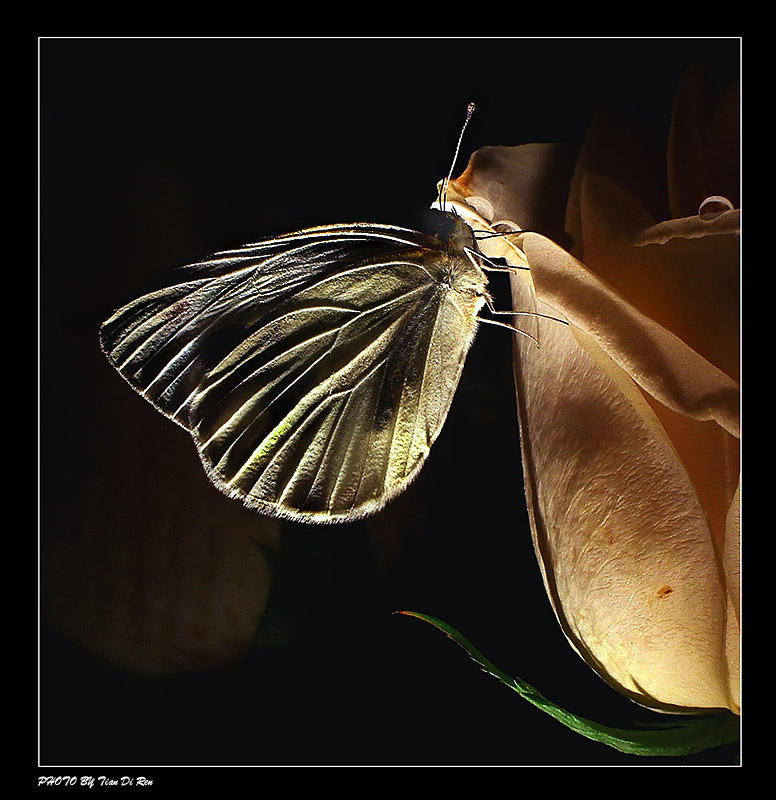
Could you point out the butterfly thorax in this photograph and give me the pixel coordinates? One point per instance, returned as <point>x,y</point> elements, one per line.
<point>463,274</point>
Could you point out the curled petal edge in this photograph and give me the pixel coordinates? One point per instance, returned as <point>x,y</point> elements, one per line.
<point>660,363</point>
<point>723,223</point>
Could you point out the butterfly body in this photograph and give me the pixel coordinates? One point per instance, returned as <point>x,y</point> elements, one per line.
<point>313,370</point>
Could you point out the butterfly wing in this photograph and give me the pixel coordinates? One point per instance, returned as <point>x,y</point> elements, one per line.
<point>313,370</point>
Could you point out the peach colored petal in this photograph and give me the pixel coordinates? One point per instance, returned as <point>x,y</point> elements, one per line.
<point>686,283</point>
<point>656,359</point>
<point>689,287</point>
<point>702,257</point>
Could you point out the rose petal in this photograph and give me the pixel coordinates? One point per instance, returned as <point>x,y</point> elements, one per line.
<point>627,556</point>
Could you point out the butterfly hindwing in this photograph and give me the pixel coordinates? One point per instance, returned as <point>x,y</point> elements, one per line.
<point>313,370</point>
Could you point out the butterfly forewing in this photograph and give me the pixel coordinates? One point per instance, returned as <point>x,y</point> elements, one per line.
<point>313,370</point>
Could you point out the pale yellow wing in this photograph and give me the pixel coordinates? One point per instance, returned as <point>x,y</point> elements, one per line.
<point>313,370</point>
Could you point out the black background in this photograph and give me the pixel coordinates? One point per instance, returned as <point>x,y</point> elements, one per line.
<point>156,152</point>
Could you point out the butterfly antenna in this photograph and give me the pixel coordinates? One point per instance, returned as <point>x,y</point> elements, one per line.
<point>446,181</point>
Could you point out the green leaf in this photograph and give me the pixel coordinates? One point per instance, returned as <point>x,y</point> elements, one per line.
<point>677,736</point>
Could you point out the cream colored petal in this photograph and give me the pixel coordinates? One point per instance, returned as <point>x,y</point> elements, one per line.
<point>600,532</point>
<point>627,556</point>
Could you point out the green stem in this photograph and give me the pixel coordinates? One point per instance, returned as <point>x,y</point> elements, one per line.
<point>678,736</point>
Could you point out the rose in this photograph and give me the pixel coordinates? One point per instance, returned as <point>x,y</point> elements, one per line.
<point>629,414</point>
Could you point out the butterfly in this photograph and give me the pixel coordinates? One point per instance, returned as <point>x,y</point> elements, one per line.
<point>314,370</point>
